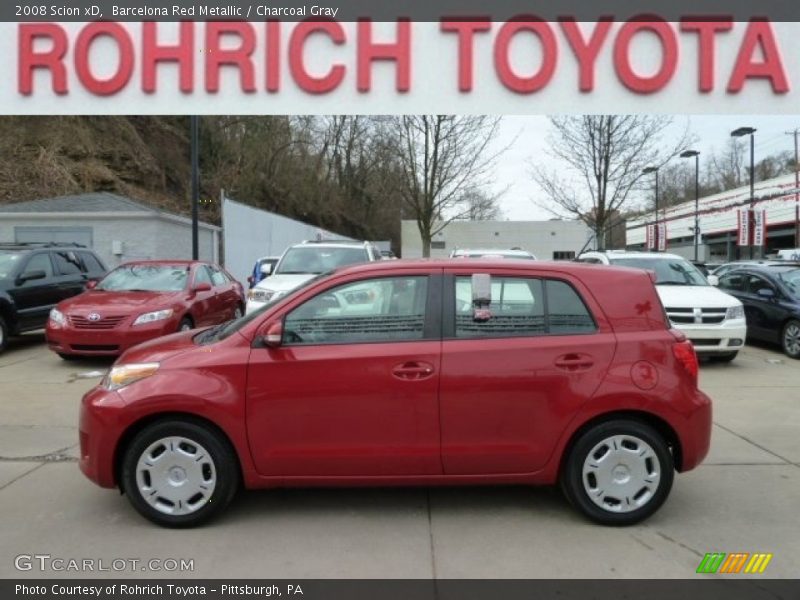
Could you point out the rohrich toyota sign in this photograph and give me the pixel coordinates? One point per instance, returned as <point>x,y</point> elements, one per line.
<point>315,66</point>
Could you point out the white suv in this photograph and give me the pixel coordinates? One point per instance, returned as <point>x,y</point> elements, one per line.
<point>712,320</point>
<point>304,261</point>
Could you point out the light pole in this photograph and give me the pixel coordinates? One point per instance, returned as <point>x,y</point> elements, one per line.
<point>696,154</point>
<point>742,131</point>
<point>194,127</point>
<point>647,171</point>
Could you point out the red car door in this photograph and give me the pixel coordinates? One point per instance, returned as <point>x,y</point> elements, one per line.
<point>510,384</point>
<point>353,388</point>
<point>205,305</point>
<point>228,297</point>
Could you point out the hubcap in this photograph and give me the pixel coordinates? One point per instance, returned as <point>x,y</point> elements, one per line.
<point>791,339</point>
<point>621,473</point>
<point>176,476</point>
<point>186,327</point>
<point>237,313</point>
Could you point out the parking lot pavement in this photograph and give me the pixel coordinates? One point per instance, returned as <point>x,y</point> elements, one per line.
<point>744,498</point>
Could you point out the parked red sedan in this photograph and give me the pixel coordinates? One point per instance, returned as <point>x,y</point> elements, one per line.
<point>142,300</point>
<point>411,373</point>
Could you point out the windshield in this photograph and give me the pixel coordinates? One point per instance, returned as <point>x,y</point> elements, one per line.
<point>791,280</point>
<point>7,262</point>
<point>220,332</point>
<point>669,271</point>
<point>145,278</point>
<point>311,259</point>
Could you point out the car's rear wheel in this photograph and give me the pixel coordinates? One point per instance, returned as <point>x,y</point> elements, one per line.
<point>724,357</point>
<point>790,339</point>
<point>618,472</point>
<point>3,334</point>
<point>179,473</point>
<point>186,324</point>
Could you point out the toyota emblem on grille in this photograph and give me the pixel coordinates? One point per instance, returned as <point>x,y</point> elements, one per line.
<point>94,317</point>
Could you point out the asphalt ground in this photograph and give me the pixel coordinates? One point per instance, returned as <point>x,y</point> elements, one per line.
<point>744,498</point>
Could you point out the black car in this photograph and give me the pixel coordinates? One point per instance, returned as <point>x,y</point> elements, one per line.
<point>36,277</point>
<point>771,298</point>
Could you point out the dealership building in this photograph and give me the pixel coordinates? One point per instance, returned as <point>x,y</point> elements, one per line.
<point>555,239</point>
<point>118,229</point>
<point>725,225</point>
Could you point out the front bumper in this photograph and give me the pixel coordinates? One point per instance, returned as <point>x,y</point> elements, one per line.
<point>723,338</point>
<point>100,428</point>
<point>104,342</point>
<point>252,306</point>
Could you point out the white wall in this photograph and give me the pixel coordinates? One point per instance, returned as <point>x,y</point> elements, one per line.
<point>542,238</point>
<point>250,233</point>
<point>141,237</point>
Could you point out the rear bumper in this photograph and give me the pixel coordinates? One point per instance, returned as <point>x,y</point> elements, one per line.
<point>724,338</point>
<point>695,432</point>
<point>109,342</point>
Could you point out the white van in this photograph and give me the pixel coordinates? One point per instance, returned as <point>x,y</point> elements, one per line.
<point>789,254</point>
<point>712,320</point>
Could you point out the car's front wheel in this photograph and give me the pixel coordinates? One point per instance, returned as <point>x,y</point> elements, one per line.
<point>790,340</point>
<point>618,472</point>
<point>179,473</point>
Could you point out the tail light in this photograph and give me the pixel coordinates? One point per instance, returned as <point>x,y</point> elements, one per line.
<point>686,356</point>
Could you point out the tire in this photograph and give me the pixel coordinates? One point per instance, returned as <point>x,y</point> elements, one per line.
<point>186,324</point>
<point>790,338</point>
<point>200,459</point>
<point>4,333</point>
<point>725,358</point>
<point>618,501</point>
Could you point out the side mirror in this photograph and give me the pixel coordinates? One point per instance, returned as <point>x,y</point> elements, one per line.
<point>713,280</point>
<point>274,335</point>
<point>91,284</point>
<point>32,275</point>
<point>203,286</point>
<point>266,269</point>
<point>766,293</point>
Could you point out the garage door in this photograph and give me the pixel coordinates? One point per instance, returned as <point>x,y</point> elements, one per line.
<point>78,235</point>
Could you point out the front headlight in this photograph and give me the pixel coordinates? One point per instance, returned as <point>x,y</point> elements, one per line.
<point>121,375</point>
<point>158,315</point>
<point>735,312</point>
<point>257,295</point>
<point>57,317</point>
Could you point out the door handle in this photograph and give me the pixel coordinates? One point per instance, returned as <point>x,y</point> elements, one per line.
<point>413,371</point>
<point>574,362</point>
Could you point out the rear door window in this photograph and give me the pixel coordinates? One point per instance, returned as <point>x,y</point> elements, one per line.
<point>522,307</point>
<point>92,263</point>
<point>68,262</point>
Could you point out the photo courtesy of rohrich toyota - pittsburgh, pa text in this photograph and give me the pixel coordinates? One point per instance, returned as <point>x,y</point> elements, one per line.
<point>445,300</point>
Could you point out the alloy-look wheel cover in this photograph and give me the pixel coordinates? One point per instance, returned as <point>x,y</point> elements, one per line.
<point>791,339</point>
<point>176,476</point>
<point>621,474</point>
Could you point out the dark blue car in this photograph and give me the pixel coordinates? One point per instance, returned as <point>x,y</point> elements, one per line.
<point>771,298</point>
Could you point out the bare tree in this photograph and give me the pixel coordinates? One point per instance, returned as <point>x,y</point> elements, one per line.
<point>442,158</point>
<point>480,206</point>
<point>608,154</point>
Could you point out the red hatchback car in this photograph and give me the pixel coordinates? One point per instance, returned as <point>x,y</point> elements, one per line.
<point>411,373</point>
<point>142,300</point>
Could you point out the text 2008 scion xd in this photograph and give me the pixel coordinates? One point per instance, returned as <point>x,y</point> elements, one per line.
<point>411,373</point>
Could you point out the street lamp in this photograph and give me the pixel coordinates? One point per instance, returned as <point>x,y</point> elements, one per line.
<point>742,131</point>
<point>647,171</point>
<point>696,155</point>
